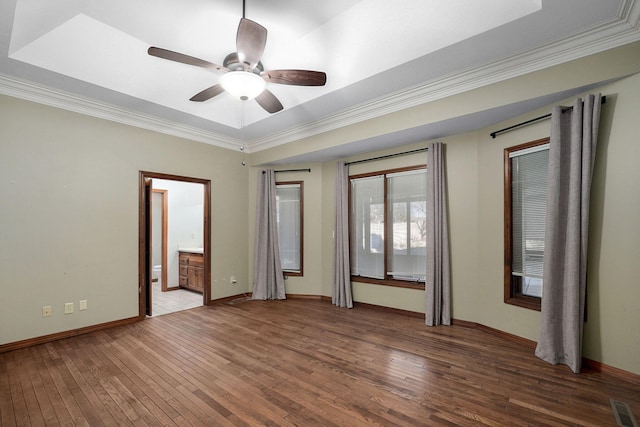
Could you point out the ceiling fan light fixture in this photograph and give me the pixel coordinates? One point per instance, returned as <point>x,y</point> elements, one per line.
<point>243,85</point>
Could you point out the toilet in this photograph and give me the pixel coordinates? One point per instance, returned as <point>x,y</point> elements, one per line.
<point>157,274</point>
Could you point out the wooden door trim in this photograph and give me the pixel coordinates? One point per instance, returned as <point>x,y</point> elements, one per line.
<point>165,229</point>
<point>147,249</point>
<point>206,294</point>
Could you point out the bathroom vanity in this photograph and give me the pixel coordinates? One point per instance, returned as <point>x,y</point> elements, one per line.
<point>191,275</point>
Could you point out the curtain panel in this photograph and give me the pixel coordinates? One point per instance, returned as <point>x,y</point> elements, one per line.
<point>572,151</point>
<point>268,280</point>
<point>438,277</point>
<point>341,292</point>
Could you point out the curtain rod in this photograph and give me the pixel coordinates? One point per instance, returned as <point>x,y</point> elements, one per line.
<point>603,100</point>
<point>387,156</point>
<point>291,170</point>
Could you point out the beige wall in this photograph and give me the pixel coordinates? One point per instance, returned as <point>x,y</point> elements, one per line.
<point>611,333</point>
<point>69,215</point>
<point>475,182</point>
<point>69,186</point>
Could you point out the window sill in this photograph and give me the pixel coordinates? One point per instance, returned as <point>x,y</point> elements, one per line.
<point>532,303</point>
<point>292,273</point>
<point>397,283</point>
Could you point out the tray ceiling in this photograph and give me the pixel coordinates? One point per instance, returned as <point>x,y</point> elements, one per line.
<point>379,56</point>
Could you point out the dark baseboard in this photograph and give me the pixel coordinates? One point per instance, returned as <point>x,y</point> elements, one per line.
<point>65,334</point>
<point>588,364</point>
<point>289,296</point>
<point>514,338</point>
<point>390,310</point>
<point>599,367</point>
<point>304,296</point>
<point>229,299</point>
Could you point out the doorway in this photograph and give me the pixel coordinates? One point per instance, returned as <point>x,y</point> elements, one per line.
<point>154,221</point>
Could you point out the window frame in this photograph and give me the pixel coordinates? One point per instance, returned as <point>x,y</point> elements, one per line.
<point>512,285</point>
<point>387,281</point>
<point>297,273</point>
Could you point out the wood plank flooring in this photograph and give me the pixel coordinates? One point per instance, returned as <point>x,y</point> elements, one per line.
<point>297,363</point>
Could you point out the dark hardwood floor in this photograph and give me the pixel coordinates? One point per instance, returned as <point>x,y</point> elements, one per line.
<point>297,362</point>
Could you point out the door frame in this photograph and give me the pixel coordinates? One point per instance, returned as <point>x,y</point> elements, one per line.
<point>164,230</point>
<point>144,236</point>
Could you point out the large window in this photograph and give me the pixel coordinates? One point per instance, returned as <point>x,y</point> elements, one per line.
<point>525,212</point>
<point>388,235</point>
<point>289,213</point>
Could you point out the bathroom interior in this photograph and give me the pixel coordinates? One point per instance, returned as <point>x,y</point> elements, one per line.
<point>177,280</point>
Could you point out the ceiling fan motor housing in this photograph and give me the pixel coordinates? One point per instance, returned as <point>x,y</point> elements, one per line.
<point>244,76</point>
<point>232,62</point>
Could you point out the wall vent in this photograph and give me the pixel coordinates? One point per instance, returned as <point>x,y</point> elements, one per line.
<point>623,414</point>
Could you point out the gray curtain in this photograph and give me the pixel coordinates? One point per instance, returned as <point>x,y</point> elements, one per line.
<point>268,280</point>
<point>571,157</point>
<point>438,281</point>
<point>341,294</point>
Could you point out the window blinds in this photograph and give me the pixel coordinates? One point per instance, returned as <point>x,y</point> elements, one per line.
<point>528,210</point>
<point>288,211</point>
<point>367,213</point>
<point>407,234</point>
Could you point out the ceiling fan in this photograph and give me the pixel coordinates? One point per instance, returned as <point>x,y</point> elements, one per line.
<point>244,75</point>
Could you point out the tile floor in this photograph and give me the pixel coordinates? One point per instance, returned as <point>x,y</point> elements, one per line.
<point>172,301</point>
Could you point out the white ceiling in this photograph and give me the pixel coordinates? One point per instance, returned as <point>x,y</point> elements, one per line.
<point>379,56</point>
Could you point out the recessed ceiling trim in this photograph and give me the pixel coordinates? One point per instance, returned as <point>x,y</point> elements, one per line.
<point>630,11</point>
<point>617,33</point>
<point>610,34</point>
<point>54,98</point>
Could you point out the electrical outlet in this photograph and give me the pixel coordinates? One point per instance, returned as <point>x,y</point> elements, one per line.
<point>82,305</point>
<point>47,311</point>
<point>68,308</point>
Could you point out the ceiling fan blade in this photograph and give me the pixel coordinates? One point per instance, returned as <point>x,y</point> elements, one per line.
<point>250,42</point>
<point>207,94</point>
<point>184,59</point>
<point>295,77</point>
<point>269,102</point>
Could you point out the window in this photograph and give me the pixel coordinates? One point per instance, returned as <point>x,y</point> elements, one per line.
<point>525,200</point>
<point>289,217</point>
<point>388,234</point>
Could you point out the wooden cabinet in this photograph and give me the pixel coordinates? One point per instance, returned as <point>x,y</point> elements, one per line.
<point>191,275</point>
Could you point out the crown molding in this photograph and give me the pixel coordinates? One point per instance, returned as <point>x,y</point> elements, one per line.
<point>630,12</point>
<point>606,36</point>
<point>623,30</point>
<point>55,98</point>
